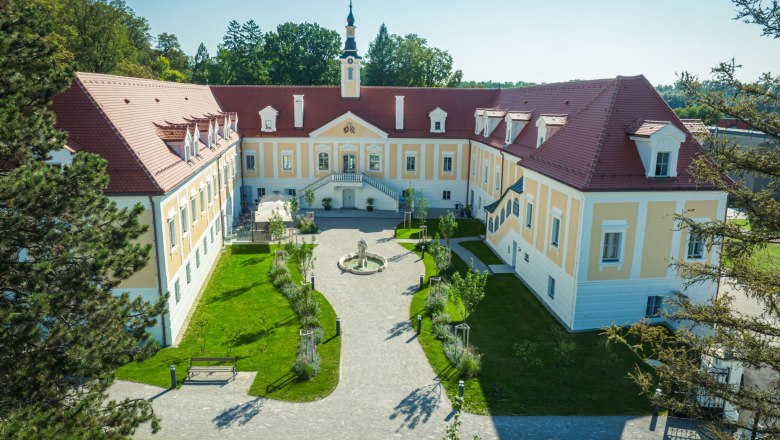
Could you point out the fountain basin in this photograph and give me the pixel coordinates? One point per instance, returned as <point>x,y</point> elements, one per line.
<point>374,263</point>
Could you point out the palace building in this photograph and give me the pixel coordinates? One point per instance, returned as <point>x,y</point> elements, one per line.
<point>578,183</point>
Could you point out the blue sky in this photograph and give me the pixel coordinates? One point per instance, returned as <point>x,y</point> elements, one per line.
<point>505,40</point>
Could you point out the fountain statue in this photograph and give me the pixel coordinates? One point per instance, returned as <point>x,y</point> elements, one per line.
<point>362,253</point>
<point>362,262</point>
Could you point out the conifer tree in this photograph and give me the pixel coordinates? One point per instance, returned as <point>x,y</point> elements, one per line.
<point>379,68</point>
<point>63,248</point>
<point>720,329</point>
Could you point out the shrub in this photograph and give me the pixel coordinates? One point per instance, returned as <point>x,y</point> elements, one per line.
<point>290,291</point>
<point>307,306</point>
<point>310,321</point>
<point>470,363</point>
<point>453,350</point>
<point>441,331</point>
<point>275,270</point>
<point>318,334</point>
<point>281,279</point>
<point>307,226</point>
<point>304,368</point>
<point>441,318</point>
<point>435,304</point>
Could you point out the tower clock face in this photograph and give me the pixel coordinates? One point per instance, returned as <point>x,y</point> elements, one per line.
<point>350,60</point>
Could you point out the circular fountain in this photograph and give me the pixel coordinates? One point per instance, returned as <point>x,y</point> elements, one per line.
<point>362,262</point>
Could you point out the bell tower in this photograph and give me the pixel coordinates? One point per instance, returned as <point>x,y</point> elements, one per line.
<point>350,62</point>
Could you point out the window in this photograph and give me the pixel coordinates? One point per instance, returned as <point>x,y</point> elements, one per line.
<point>260,193</point>
<point>437,126</point>
<point>172,232</point>
<point>485,174</point>
<point>695,246</point>
<point>662,164</point>
<point>556,232</point>
<point>479,206</point>
<point>498,180</point>
<point>177,290</point>
<point>267,124</point>
<point>194,209</point>
<point>516,207</point>
<point>202,202</point>
<point>189,273</point>
<point>323,162</point>
<point>447,164</point>
<point>541,140</point>
<point>250,161</point>
<point>197,258</point>
<point>411,164</point>
<point>212,234</point>
<point>551,287</point>
<point>611,251</point>
<point>490,224</point>
<point>224,175</point>
<point>473,165</point>
<point>529,214</point>
<point>291,192</point>
<point>445,195</point>
<point>526,257</point>
<point>205,246</point>
<point>219,223</point>
<point>209,190</point>
<point>185,223</point>
<point>653,309</point>
<point>287,162</point>
<point>350,74</point>
<point>503,215</point>
<point>374,162</point>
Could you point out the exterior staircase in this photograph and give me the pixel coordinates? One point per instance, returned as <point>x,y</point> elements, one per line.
<point>360,178</point>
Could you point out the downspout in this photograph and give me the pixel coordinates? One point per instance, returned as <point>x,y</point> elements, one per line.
<point>501,185</point>
<point>159,276</point>
<point>468,178</point>
<point>220,177</point>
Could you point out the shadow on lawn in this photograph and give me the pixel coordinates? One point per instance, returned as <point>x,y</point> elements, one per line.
<point>280,383</point>
<point>245,249</point>
<point>239,414</point>
<point>230,294</point>
<point>418,406</point>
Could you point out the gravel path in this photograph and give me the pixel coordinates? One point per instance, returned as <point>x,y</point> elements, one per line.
<point>387,388</point>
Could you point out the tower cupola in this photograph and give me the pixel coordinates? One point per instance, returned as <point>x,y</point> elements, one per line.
<point>350,62</point>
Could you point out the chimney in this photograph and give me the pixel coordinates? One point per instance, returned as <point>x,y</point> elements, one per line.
<point>399,113</point>
<point>298,111</point>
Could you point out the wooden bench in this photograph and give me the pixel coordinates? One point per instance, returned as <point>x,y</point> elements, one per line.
<point>193,369</point>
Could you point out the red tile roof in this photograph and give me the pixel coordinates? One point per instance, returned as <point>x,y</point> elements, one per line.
<point>120,119</point>
<point>645,128</point>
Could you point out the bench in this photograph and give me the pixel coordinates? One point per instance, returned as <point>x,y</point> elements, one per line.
<point>193,369</point>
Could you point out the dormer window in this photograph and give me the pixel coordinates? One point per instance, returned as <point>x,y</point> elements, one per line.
<point>547,125</point>
<point>268,117</point>
<point>658,144</point>
<point>478,115</point>
<point>491,119</point>
<point>515,122</point>
<point>438,119</point>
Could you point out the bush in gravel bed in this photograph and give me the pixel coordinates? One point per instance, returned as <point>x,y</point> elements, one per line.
<point>290,291</point>
<point>281,279</point>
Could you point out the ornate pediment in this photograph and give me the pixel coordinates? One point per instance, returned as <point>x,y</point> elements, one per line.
<point>348,125</point>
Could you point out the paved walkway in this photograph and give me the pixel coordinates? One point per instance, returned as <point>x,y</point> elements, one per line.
<point>387,388</point>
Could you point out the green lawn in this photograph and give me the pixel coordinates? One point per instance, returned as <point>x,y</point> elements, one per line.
<point>466,228</point>
<point>767,258</point>
<point>482,251</point>
<point>239,296</point>
<point>594,383</point>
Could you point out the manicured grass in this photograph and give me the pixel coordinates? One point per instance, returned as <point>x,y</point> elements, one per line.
<point>240,296</point>
<point>595,382</point>
<point>481,251</point>
<point>466,228</point>
<point>767,258</point>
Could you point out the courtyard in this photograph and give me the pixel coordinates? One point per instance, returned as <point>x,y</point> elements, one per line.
<point>388,381</point>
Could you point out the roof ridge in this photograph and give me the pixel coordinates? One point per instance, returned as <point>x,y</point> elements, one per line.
<point>602,135</point>
<point>116,131</point>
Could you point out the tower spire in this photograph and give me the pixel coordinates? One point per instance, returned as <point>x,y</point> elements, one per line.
<point>350,17</point>
<point>350,46</point>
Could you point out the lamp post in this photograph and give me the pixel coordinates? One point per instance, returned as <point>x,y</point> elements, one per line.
<point>419,324</point>
<point>423,251</point>
<point>173,376</point>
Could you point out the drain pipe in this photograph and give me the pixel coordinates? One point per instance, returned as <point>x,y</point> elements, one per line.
<point>468,179</point>
<point>159,276</point>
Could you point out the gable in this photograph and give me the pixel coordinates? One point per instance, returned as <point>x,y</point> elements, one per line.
<point>348,125</point>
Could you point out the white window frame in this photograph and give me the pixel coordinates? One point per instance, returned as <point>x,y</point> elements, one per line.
<point>319,161</point>
<point>529,214</point>
<point>654,302</point>
<point>188,271</point>
<point>446,194</point>
<point>202,202</point>
<point>444,158</point>
<point>486,172</point>
<point>172,233</point>
<point>555,231</point>
<point>613,227</point>
<point>177,290</point>
<point>378,163</point>
<point>247,155</point>
<point>197,258</point>
<point>516,207</point>
<point>185,226</point>
<point>406,162</point>
<point>289,157</point>
<point>474,164</point>
<point>550,287</point>
<point>498,179</point>
<point>210,192</point>
<point>669,155</point>
<point>703,242</point>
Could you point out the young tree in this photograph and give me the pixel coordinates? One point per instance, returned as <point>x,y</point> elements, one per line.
<point>308,195</point>
<point>276,227</point>
<point>421,209</point>
<point>442,255</point>
<point>64,248</point>
<point>742,336</point>
<point>470,290</point>
<point>292,207</point>
<point>447,226</point>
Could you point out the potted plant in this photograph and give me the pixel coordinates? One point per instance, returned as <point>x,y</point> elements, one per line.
<point>369,204</point>
<point>468,211</point>
<point>326,203</point>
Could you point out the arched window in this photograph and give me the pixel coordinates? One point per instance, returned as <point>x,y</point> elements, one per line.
<point>350,73</point>
<point>323,162</point>
<point>490,224</point>
<point>516,207</point>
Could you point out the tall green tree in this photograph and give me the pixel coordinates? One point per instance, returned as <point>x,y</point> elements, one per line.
<point>201,65</point>
<point>240,58</point>
<point>718,329</point>
<point>303,54</point>
<point>168,46</point>
<point>379,67</point>
<point>64,247</point>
